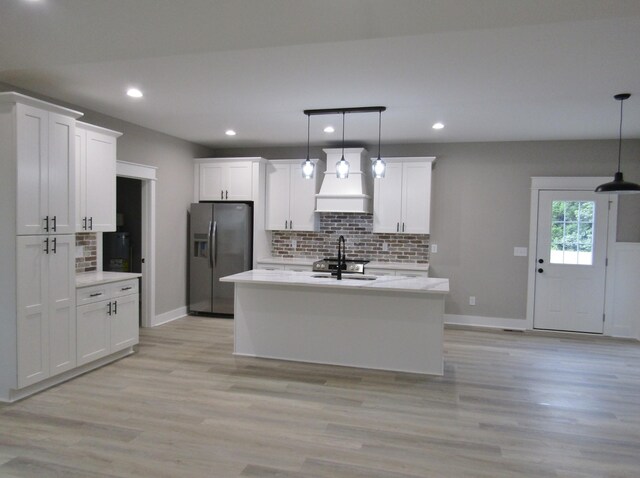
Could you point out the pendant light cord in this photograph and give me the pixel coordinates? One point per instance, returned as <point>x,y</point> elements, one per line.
<point>308,134</point>
<point>379,131</point>
<point>343,136</point>
<point>620,136</point>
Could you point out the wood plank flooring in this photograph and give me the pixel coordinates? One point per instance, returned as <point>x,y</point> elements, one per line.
<point>509,405</point>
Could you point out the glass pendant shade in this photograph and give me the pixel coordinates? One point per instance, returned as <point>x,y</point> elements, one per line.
<point>307,169</point>
<point>619,185</point>
<point>379,167</point>
<point>342,168</point>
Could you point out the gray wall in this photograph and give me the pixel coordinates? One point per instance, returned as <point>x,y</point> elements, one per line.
<point>174,192</point>
<point>480,209</point>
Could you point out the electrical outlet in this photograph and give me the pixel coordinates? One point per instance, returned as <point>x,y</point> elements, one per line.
<point>385,246</point>
<point>472,300</point>
<point>520,251</point>
<point>294,244</point>
<point>434,248</point>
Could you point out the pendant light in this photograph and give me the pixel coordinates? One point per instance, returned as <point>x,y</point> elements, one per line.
<point>307,166</point>
<point>619,185</point>
<point>379,167</point>
<point>342,166</point>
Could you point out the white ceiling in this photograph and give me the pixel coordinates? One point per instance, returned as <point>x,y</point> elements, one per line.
<point>491,70</point>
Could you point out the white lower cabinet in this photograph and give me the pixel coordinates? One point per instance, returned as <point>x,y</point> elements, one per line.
<point>395,272</point>
<point>46,319</point>
<point>108,319</point>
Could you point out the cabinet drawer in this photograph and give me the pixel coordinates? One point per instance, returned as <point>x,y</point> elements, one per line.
<point>95,293</point>
<point>120,289</point>
<point>379,272</point>
<point>412,273</point>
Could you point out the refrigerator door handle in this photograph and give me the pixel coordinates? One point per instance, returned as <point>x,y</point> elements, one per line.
<point>210,234</point>
<point>214,253</point>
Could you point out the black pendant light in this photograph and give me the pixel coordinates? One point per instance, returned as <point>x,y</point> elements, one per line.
<point>307,166</point>
<point>378,166</point>
<point>619,185</point>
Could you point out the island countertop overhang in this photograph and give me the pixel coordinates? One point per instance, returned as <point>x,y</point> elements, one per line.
<point>418,285</point>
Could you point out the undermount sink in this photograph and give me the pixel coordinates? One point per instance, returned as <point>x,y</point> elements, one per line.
<point>346,277</point>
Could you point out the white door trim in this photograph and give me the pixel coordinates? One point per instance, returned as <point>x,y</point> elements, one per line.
<point>147,174</point>
<point>568,184</point>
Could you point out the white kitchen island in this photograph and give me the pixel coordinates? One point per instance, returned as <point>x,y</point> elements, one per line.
<point>389,323</point>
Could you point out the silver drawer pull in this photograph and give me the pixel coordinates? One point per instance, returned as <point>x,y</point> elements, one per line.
<point>127,288</point>
<point>97,294</point>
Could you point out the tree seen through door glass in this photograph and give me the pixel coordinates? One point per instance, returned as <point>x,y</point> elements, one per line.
<point>572,232</point>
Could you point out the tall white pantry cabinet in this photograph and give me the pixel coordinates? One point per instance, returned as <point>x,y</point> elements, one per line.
<point>37,226</point>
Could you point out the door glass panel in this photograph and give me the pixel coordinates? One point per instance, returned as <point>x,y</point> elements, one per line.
<point>572,232</point>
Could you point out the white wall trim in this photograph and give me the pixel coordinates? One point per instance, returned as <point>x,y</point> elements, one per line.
<point>170,316</point>
<point>568,183</point>
<point>487,322</point>
<point>147,174</point>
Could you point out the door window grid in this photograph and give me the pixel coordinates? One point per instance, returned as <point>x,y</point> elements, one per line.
<point>572,232</point>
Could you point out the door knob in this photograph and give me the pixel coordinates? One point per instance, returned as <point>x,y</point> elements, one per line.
<point>541,261</point>
<point>541,270</point>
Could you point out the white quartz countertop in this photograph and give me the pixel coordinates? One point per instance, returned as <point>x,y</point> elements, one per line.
<point>428,285</point>
<point>308,261</point>
<point>86,279</point>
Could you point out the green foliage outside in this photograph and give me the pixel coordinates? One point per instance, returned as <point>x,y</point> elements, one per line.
<point>572,226</point>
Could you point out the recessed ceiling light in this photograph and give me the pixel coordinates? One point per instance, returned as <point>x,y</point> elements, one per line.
<point>230,132</point>
<point>329,129</point>
<point>438,126</point>
<point>134,93</point>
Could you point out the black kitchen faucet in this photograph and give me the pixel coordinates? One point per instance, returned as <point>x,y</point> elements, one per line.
<point>342,257</point>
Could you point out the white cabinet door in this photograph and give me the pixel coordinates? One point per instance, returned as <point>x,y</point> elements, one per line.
<point>416,197</point>
<point>238,181</point>
<point>124,322</point>
<point>100,182</point>
<point>33,323</point>
<point>302,200</point>
<point>32,170</point>
<point>211,182</point>
<point>61,184</point>
<point>93,331</point>
<point>62,303</point>
<point>81,178</point>
<point>277,196</point>
<point>387,205</point>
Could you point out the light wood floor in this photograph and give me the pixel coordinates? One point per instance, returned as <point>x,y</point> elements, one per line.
<point>509,405</point>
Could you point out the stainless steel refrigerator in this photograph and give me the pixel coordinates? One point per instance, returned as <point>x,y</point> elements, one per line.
<point>220,244</point>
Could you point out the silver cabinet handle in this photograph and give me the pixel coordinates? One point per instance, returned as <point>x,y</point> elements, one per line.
<point>84,223</point>
<point>285,223</point>
<point>221,194</point>
<point>403,227</point>
<point>91,223</point>
<point>109,308</point>
<point>290,224</point>
<point>46,246</point>
<point>115,307</point>
<point>97,294</point>
<point>54,245</point>
<point>126,288</point>
<point>397,227</point>
<point>46,223</point>
<point>55,223</point>
<point>226,194</point>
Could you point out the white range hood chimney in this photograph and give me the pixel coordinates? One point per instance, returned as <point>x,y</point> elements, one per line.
<point>350,194</point>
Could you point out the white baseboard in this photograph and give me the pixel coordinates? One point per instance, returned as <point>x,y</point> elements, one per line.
<point>169,316</point>
<point>490,322</point>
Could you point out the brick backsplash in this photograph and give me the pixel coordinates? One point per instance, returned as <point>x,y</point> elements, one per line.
<point>361,241</point>
<point>88,261</point>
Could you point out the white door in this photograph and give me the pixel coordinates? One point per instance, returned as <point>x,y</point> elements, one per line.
<point>33,323</point>
<point>32,170</point>
<point>100,192</point>
<point>62,303</point>
<point>124,321</point>
<point>211,188</point>
<point>238,181</point>
<point>278,196</point>
<point>571,261</point>
<point>62,188</point>
<point>387,200</point>
<point>416,198</point>
<point>302,202</point>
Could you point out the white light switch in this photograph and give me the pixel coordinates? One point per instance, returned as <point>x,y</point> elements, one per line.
<point>79,251</point>
<point>294,244</point>
<point>472,300</point>
<point>434,248</point>
<point>385,246</point>
<point>520,251</point>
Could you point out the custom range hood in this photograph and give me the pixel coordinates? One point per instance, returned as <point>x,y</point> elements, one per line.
<point>350,194</point>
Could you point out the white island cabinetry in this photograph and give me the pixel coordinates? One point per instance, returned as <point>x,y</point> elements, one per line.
<point>402,199</point>
<point>388,323</point>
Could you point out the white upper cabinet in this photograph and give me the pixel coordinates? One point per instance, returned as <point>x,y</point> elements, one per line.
<point>290,197</point>
<point>225,181</point>
<point>96,178</point>
<point>402,199</point>
<point>45,169</point>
